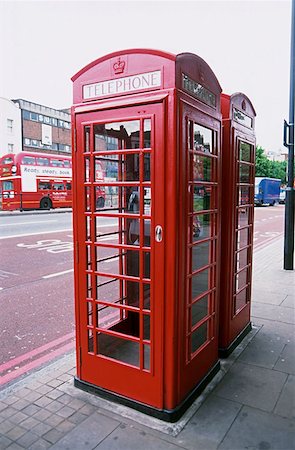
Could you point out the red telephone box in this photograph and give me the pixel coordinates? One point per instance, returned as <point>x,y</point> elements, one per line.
<point>147,130</point>
<point>238,181</point>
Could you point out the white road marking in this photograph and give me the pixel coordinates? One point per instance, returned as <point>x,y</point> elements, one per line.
<point>57,274</point>
<point>25,223</point>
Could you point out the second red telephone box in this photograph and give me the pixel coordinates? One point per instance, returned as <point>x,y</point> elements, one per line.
<point>146,161</point>
<point>238,180</point>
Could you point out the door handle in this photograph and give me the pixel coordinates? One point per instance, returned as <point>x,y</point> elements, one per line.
<point>158,233</point>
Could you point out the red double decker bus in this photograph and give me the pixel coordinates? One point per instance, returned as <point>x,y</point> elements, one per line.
<point>35,181</point>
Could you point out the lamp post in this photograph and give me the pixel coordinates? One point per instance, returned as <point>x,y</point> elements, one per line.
<point>289,142</point>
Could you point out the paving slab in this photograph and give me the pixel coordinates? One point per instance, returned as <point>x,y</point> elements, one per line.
<point>272,312</point>
<point>289,301</point>
<point>252,385</point>
<point>127,437</point>
<point>285,406</point>
<point>88,434</point>
<point>286,361</point>
<point>258,430</point>
<point>209,424</point>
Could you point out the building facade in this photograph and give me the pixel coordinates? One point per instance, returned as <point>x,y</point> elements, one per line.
<point>10,127</point>
<point>44,129</point>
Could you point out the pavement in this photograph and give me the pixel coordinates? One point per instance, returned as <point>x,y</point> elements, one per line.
<point>250,403</point>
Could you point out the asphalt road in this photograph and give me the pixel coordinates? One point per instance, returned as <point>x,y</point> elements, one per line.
<point>36,285</point>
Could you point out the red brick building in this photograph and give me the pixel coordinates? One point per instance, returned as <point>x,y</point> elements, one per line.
<point>45,129</point>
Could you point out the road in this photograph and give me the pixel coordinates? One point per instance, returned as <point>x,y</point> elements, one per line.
<point>36,285</point>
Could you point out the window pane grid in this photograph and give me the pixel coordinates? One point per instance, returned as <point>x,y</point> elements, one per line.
<point>118,159</point>
<point>202,183</point>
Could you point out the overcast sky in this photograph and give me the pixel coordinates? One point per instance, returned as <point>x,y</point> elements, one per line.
<point>246,43</point>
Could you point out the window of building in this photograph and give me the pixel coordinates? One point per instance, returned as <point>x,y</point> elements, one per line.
<point>10,125</point>
<point>27,141</point>
<point>67,163</point>
<point>10,148</point>
<point>34,116</point>
<point>68,186</point>
<point>26,115</point>
<point>34,142</point>
<point>47,119</point>
<point>40,117</point>
<point>54,121</point>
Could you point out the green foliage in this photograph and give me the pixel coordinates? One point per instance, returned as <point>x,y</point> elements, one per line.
<point>267,168</point>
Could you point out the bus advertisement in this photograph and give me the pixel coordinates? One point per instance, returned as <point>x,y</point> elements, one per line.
<point>35,181</point>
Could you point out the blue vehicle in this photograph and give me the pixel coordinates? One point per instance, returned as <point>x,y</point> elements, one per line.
<point>267,191</point>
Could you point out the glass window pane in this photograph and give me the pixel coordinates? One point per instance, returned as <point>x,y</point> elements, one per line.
<point>244,173</point>
<point>199,337</point>
<point>244,195</point>
<point>200,255</point>
<point>118,349</point>
<point>118,135</point>
<point>202,168</point>
<point>241,300</point>
<point>241,279</point>
<point>243,217</point>
<point>245,152</point>
<point>199,310</point>
<point>202,226</point>
<point>200,283</point>
<point>87,139</point>
<point>147,167</point>
<point>146,327</point>
<point>242,259</point>
<point>202,198</point>
<point>242,238</point>
<point>203,139</point>
<point>147,133</point>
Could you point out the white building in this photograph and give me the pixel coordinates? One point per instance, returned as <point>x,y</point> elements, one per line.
<point>10,127</point>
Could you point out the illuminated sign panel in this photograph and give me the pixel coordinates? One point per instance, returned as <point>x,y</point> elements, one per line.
<point>122,85</point>
<point>198,91</point>
<point>242,118</point>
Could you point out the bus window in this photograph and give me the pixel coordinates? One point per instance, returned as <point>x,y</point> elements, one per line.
<point>43,161</point>
<point>30,160</point>
<point>44,185</point>
<point>68,186</point>
<point>7,161</point>
<point>67,163</point>
<point>57,163</point>
<point>58,186</point>
<point>7,185</point>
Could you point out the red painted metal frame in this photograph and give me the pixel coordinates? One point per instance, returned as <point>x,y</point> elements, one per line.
<point>175,379</point>
<point>234,324</point>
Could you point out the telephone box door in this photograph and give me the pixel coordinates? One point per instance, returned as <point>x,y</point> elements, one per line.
<point>119,235</point>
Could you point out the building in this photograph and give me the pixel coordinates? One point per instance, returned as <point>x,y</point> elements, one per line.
<point>10,127</point>
<point>44,129</point>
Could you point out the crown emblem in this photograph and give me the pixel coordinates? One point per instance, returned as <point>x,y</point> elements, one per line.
<point>119,66</point>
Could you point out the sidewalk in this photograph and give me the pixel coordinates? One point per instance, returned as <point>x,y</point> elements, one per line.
<point>249,404</point>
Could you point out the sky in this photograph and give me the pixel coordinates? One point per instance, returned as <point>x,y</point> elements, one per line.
<point>245,42</point>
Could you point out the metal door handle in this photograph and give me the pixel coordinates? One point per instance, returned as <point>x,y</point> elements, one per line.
<point>158,233</point>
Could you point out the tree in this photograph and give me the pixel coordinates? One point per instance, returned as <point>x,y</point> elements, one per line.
<point>267,168</point>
